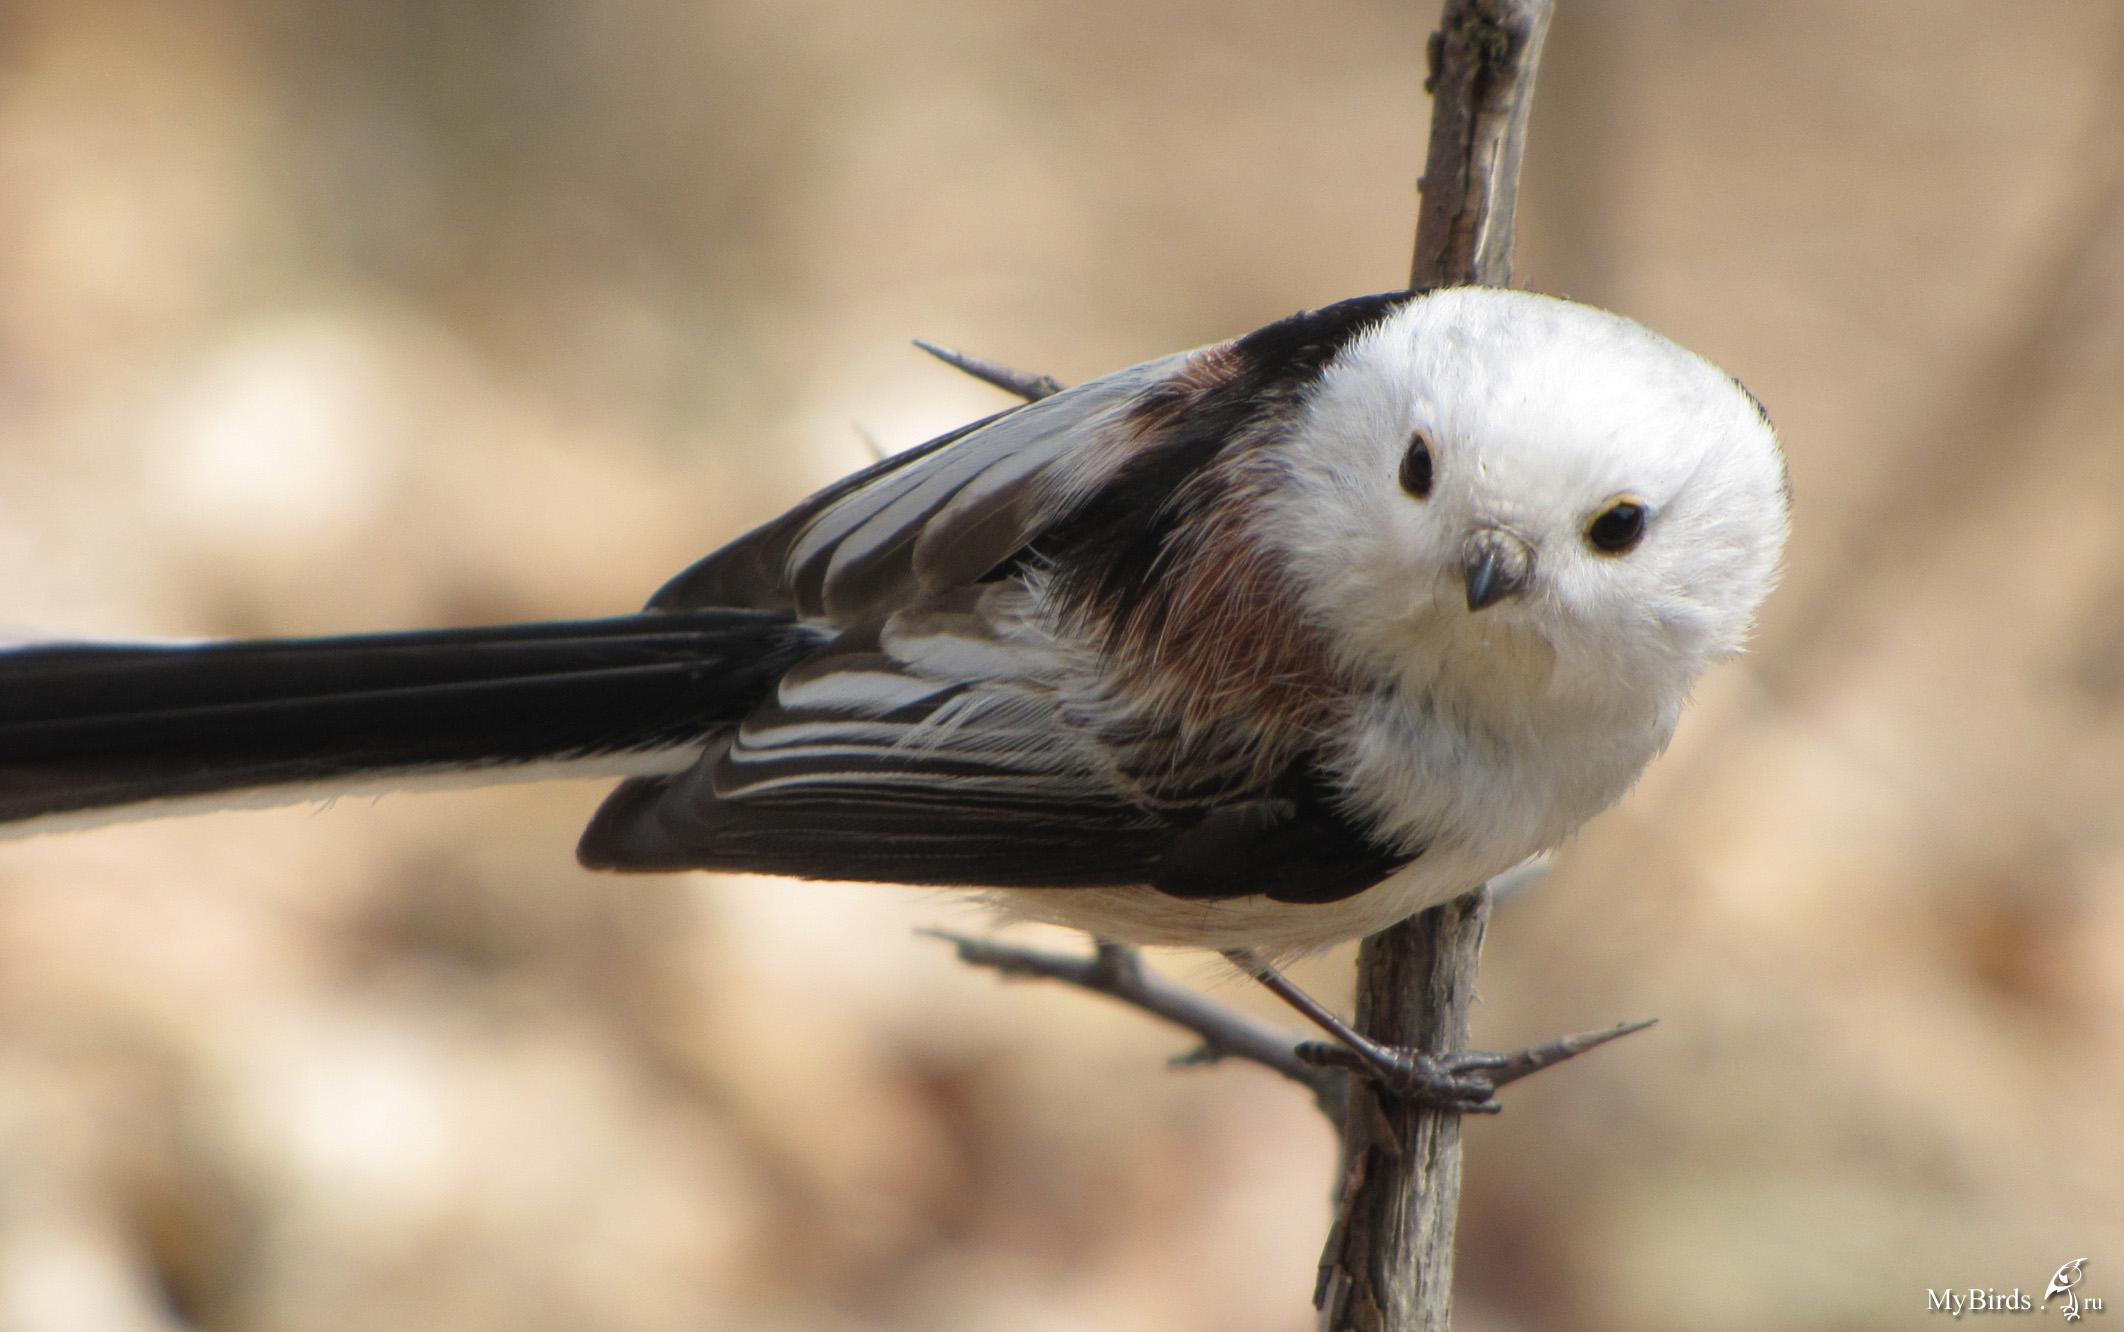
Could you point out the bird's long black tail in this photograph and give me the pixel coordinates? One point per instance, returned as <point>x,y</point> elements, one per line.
<point>87,727</point>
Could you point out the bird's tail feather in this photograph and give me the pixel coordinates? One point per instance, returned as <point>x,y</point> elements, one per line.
<point>94,727</point>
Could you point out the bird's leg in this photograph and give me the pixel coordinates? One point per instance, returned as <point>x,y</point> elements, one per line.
<point>1450,1082</point>
<point>1464,1081</point>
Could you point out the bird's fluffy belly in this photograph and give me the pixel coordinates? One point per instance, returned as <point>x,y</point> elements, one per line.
<point>1279,930</point>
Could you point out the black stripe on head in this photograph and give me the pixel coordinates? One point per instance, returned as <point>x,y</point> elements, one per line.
<point>1749,394</point>
<point>1113,550</point>
<point>1784,470</point>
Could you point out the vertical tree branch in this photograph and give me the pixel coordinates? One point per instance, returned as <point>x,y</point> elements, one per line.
<point>1482,63</point>
<point>1389,1264</point>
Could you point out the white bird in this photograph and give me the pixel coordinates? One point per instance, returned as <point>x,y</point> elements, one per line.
<point>1254,648</point>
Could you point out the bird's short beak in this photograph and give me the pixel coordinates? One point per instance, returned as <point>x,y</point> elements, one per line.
<point>1498,564</point>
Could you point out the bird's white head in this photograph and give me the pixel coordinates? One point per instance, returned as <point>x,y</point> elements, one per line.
<point>1520,503</point>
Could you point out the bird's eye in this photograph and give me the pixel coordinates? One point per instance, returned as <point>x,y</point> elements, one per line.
<point>1416,467</point>
<point>1617,528</point>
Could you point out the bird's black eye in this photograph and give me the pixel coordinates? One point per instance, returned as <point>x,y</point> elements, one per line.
<point>1416,467</point>
<point>1617,528</point>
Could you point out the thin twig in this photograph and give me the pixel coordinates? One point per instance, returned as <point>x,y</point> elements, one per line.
<point>1026,385</point>
<point>1118,972</point>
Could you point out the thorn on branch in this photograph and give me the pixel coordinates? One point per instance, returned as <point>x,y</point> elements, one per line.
<point>1028,386</point>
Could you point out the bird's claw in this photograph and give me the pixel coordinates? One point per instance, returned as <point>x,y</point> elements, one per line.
<point>1452,1082</point>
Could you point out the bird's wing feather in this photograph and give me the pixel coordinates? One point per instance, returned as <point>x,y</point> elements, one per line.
<point>929,748</point>
<point>953,511</point>
<point>939,748</point>
<point>936,516</point>
<point>935,741</point>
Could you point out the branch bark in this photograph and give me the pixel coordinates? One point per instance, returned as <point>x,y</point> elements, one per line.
<point>1482,63</point>
<point>1389,1261</point>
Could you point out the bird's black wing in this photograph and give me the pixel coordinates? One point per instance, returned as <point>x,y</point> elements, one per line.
<point>936,747</point>
<point>953,511</point>
<point>937,516</point>
<point>933,742</point>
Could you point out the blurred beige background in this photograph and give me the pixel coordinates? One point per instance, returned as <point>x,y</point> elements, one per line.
<point>319,317</point>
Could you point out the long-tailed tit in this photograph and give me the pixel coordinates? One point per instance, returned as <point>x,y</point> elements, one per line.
<point>1258,647</point>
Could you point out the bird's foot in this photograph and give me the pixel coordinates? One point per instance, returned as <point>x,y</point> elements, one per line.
<point>1465,1081</point>
<point>1456,1082</point>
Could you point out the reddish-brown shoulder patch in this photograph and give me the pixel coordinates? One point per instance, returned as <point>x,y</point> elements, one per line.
<point>1220,634</point>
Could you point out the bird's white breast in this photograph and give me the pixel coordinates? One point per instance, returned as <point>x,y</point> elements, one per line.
<point>1477,800</point>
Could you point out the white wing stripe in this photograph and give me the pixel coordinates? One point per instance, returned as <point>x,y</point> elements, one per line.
<point>858,691</point>
<point>872,549</point>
